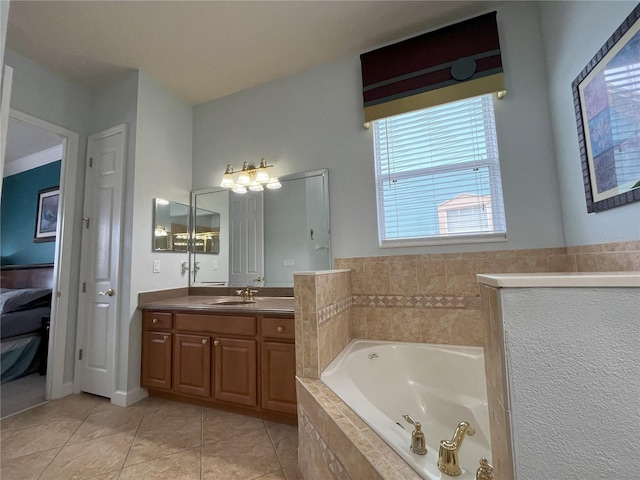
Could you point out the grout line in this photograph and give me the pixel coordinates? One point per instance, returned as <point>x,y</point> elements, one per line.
<point>72,433</point>
<point>134,438</point>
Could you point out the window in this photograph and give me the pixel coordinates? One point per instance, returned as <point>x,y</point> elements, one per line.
<point>438,175</point>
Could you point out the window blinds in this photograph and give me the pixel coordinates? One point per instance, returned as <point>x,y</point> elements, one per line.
<point>438,174</point>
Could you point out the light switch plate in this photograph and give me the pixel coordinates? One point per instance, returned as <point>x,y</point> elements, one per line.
<point>156,266</point>
<point>288,262</point>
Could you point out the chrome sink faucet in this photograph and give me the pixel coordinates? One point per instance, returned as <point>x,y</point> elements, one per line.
<point>246,294</point>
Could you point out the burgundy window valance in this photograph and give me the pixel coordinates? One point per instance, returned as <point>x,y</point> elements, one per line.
<point>455,62</point>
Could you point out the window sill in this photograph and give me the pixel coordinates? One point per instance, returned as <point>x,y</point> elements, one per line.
<point>451,240</point>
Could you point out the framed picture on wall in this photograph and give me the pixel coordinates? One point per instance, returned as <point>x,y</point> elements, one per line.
<point>606,96</point>
<point>47,215</point>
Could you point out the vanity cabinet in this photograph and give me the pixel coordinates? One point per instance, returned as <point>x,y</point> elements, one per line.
<point>156,360</point>
<point>192,365</point>
<point>157,343</point>
<point>236,362</point>
<point>278,365</point>
<point>243,363</point>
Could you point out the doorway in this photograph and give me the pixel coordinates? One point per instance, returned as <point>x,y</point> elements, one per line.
<point>63,143</point>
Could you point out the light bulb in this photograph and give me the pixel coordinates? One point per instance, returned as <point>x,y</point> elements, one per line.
<point>273,183</point>
<point>256,186</point>
<point>261,175</point>
<point>244,178</point>
<point>227,181</point>
<point>239,189</point>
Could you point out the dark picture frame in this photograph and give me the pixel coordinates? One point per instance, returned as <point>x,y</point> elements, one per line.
<point>47,214</point>
<point>606,96</point>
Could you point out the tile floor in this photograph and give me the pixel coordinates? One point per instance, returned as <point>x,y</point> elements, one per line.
<point>83,436</point>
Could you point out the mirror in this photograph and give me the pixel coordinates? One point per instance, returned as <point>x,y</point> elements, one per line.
<point>263,237</point>
<point>171,226</point>
<point>207,234</point>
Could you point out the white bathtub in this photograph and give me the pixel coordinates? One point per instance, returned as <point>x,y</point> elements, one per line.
<point>438,385</point>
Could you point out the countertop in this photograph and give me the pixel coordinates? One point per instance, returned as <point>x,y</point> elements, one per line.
<point>570,280</point>
<point>208,303</point>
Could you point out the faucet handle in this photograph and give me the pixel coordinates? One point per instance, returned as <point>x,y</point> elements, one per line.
<point>485,471</point>
<point>412,421</point>
<point>418,443</point>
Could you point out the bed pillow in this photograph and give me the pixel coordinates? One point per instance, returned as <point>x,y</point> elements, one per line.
<point>23,299</point>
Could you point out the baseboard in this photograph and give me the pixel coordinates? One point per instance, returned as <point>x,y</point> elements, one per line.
<point>124,399</point>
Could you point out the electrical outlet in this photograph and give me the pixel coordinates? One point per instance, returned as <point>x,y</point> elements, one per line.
<point>288,262</point>
<point>156,266</point>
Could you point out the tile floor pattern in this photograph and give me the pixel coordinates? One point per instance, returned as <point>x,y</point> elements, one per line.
<point>83,436</point>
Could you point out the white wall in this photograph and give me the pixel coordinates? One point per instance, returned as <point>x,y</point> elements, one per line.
<point>162,169</point>
<point>574,386</point>
<point>573,32</point>
<point>314,120</point>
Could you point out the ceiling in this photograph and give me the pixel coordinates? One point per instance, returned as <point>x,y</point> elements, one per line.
<point>24,140</point>
<point>203,50</point>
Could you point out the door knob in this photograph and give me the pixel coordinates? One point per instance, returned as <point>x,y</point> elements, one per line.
<point>109,292</point>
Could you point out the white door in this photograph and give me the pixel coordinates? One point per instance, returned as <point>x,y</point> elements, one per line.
<point>100,260</point>
<point>246,238</point>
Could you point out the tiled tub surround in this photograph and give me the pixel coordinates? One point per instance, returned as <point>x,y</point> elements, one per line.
<point>334,443</point>
<point>323,318</point>
<point>432,298</point>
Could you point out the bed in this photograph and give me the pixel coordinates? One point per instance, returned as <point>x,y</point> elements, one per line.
<point>25,309</point>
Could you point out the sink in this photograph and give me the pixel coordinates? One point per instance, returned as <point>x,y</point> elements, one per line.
<point>229,302</point>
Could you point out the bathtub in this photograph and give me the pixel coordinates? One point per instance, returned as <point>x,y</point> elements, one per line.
<point>438,385</point>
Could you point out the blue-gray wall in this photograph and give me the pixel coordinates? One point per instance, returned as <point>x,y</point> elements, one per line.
<point>18,210</point>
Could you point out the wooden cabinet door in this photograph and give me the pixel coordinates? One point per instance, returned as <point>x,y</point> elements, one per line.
<point>235,371</point>
<point>156,360</point>
<point>192,365</point>
<point>279,377</point>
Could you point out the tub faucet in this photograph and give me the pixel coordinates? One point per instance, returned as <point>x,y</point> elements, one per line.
<point>246,294</point>
<point>418,444</point>
<point>448,455</point>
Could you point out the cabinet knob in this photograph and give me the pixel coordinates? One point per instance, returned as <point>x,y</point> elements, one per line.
<point>280,328</point>
<point>204,340</point>
<point>216,342</point>
<point>166,337</point>
<point>155,320</point>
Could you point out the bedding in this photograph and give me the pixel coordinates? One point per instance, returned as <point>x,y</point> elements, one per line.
<point>21,312</point>
<point>16,300</point>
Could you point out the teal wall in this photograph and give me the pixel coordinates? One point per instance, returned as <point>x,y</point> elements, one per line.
<point>18,216</point>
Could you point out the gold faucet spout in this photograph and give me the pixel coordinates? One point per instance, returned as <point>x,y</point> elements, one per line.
<point>448,454</point>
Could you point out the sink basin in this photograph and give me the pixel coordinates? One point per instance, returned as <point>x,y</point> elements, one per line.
<point>229,302</point>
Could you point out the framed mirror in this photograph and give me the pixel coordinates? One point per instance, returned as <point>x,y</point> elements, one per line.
<point>263,237</point>
<point>171,226</point>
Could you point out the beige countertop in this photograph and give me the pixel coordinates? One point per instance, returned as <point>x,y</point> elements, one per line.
<point>212,304</point>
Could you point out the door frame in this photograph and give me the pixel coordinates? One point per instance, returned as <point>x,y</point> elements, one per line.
<point>80,325</point>
<point>58,345</point>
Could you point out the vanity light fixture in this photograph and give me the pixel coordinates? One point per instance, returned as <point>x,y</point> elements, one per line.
<point>250,177</point>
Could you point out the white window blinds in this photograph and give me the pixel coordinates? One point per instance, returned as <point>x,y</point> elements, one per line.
<point>438,175</point>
